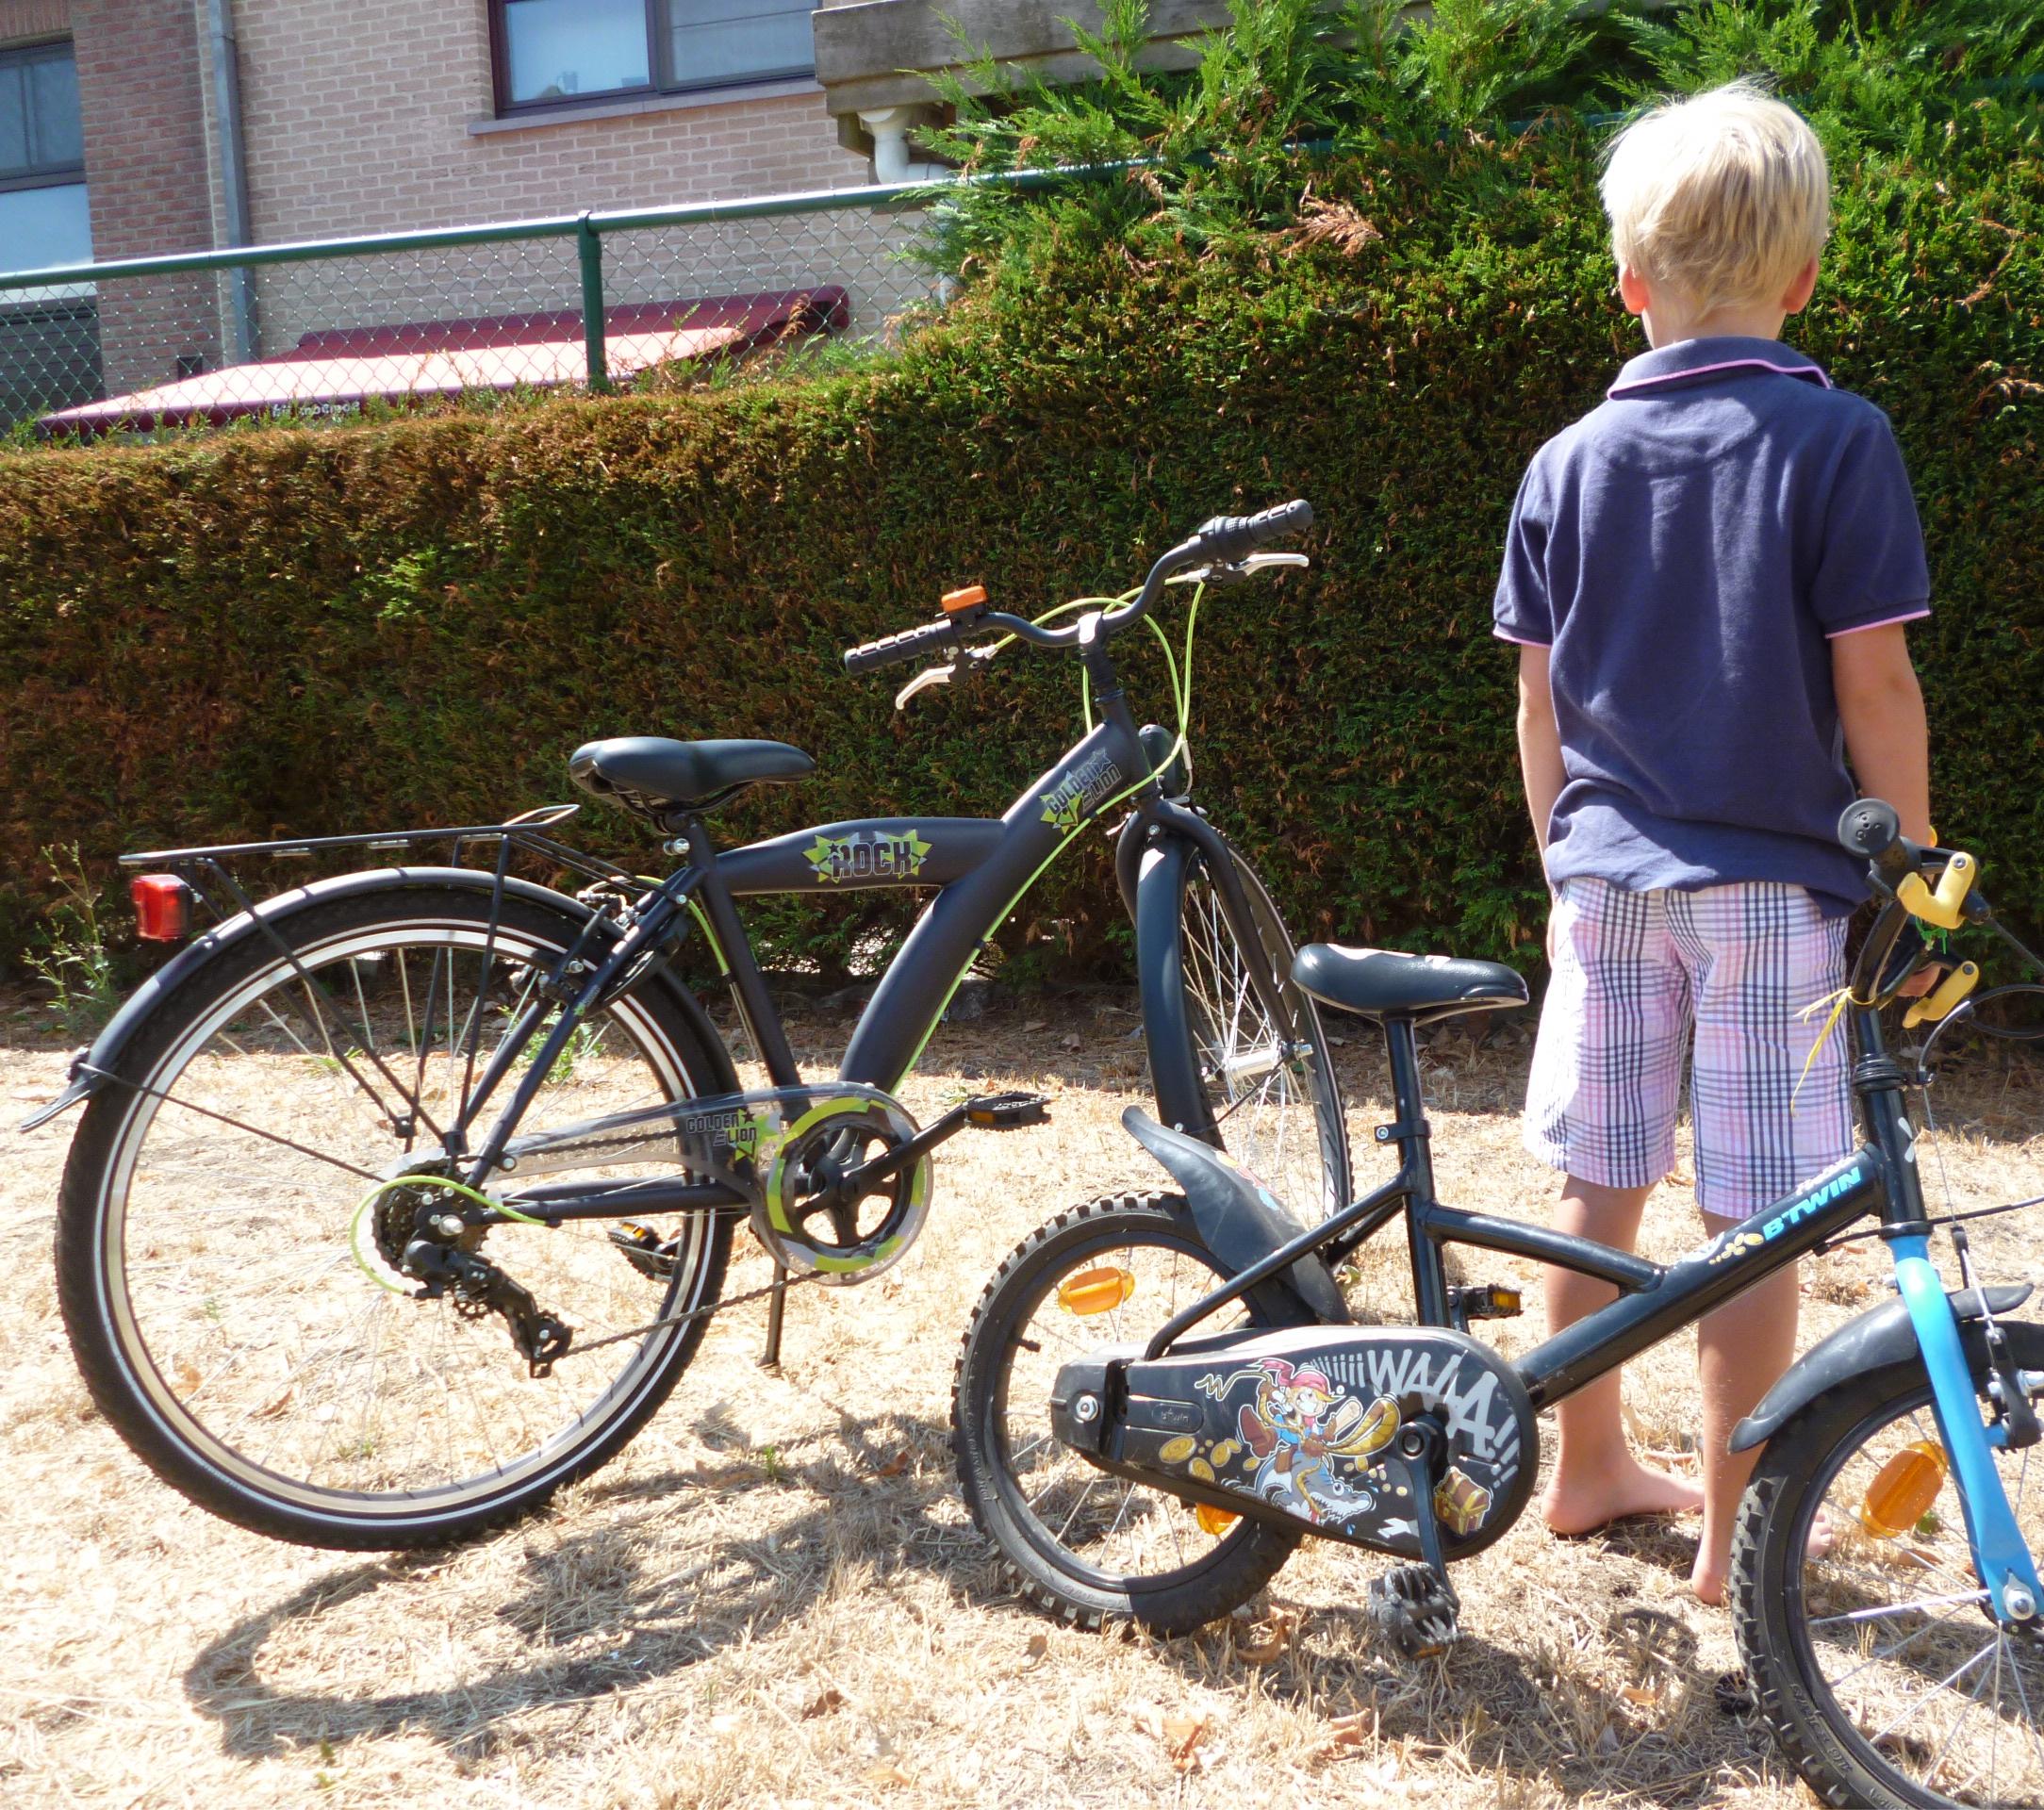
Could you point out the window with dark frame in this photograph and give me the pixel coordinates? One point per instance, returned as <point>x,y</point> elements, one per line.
<point>554,52</point>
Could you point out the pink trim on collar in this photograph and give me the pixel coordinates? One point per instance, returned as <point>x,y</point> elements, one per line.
<point>1729,364</point>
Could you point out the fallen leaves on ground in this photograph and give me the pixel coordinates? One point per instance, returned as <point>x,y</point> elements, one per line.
<point>1182,1733</point>
<point>1348,1735</point>
<point>1262,1639</point>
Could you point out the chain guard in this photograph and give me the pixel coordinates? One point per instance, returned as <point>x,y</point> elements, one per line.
<point>1300,1427</point>
<point>767,1144</point>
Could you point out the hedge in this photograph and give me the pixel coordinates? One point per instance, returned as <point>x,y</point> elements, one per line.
<point>414,620</point>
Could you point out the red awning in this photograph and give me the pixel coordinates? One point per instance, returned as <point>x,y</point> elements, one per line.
<point>344,365</point>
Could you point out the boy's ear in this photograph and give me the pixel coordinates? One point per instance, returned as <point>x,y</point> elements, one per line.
<point>1632,291</point>
<point>1799,292</point>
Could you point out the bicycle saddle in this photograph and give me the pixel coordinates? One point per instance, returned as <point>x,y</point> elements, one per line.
<point>1388,983</point>
<point>654,775</point>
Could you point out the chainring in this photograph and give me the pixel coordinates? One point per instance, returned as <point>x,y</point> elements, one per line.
<point>815,1226</point>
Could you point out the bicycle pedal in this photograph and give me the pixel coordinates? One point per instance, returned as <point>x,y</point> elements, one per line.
<point>1415,1611</point>
<point>1007,1112</point>
<point>644,1249</point>
<point>1485,1301</point>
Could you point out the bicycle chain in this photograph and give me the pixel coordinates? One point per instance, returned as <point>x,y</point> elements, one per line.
<point>781,1286</point>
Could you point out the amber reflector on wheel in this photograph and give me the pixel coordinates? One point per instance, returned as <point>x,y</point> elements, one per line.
<point>1096,1290</point>
<point>1903,1490</point>
<point>1213,1521</point>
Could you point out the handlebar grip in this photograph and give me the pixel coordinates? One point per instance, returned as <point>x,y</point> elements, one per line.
<point>1232,538</point>
<point>1872,829</point>
<point>892,648</point>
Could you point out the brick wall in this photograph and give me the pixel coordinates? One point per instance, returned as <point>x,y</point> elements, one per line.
<point>358,121</point>
<point>23,19</point>
<point>146,150</point>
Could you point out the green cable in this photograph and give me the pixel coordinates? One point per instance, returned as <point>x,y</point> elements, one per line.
<point>382,1188</point>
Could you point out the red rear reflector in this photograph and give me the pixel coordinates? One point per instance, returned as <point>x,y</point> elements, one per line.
<point>162,906</point>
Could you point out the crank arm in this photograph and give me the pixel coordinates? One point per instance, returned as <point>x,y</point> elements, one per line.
<point>989,1113</point>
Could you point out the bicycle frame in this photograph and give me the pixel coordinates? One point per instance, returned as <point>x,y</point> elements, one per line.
<point>1878,1181</point>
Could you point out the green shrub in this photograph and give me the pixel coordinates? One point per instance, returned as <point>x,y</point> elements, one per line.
<point>415,621</point>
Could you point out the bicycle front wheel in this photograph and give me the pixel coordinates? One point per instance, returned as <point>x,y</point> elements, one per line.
<point>1874,1657</point>
<point>1221,1059</point>
<point>237,1308</point>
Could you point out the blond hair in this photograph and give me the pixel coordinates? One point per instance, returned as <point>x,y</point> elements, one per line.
<point>1723,198</point>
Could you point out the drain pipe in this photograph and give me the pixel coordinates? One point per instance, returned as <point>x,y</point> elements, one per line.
<point>238,323</point>
<point>892,159</point>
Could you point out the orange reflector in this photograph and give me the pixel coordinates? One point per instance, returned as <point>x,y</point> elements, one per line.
<point>1213,1521</point>
<point>967,597</point>
<point>162,907</point>
<point>1903,1490</point>
<point>1096,1290</point>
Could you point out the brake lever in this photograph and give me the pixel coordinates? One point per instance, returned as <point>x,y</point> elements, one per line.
<point>1222,571</point>
<point>942,675</point>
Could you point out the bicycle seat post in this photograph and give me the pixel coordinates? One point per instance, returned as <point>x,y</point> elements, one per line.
<point>1411,1133</point>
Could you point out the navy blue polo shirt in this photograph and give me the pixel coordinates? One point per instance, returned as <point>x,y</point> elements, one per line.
<point>1689,550</point>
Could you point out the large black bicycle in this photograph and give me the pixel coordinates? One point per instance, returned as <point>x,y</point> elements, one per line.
<point>1159,1397</point>
<point>400,1198</point>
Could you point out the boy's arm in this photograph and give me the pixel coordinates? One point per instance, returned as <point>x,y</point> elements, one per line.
<point>1881,707</point>
<point>1539,741</point>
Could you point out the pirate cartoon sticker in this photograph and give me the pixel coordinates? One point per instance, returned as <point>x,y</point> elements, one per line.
<point>1297,1427</point>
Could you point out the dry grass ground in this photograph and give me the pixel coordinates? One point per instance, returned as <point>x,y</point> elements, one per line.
<point>774,1597</point>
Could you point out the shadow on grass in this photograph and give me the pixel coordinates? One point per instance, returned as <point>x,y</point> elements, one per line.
<point>594,1588</point>
<point>597,1614</point>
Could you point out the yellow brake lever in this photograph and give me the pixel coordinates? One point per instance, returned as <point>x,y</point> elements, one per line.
<point>1945,906</point>
<point>1944,999</point>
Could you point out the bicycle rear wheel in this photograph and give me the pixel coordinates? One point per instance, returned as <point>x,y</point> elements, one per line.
<point>1086,1545</point>
<point>236,1308</point>
<point>1860,1617</point>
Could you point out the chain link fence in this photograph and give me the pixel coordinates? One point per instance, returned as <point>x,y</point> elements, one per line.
<point>328,328</point>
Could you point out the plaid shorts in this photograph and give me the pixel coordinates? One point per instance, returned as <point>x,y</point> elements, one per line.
<point>1632,972</point>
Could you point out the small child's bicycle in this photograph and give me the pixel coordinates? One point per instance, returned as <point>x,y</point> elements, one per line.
<point>1885,1578</point>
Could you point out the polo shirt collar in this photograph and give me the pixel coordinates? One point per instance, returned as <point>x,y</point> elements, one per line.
<point>1689,362</point>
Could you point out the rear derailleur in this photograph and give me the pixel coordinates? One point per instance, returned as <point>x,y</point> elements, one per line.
<point>477,1287</point>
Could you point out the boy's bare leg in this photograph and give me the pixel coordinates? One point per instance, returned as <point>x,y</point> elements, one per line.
<point>1741,1350</point>
<point>1595,1477</point>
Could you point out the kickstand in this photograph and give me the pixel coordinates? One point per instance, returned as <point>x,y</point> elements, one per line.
<point>1415,1607</point>
<point>776,1308</point>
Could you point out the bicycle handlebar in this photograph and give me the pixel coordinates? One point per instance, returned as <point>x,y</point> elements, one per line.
<point>1220,539</point>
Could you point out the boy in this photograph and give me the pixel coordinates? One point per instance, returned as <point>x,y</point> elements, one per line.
<point>1707,577</point>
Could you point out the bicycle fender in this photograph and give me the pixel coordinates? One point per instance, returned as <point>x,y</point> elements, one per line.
<point>104,1053</point>
<point>1875,1340</point>
<point>1238,1221</point>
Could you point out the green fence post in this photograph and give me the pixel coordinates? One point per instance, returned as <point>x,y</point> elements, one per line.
<point>590,248</point>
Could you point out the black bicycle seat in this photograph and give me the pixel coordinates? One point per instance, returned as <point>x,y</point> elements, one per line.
<point>652,774</point>
<point>1388,983</point>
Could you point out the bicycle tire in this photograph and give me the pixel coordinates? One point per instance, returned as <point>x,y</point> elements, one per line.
<point>1047,1571</point>
<point>1210,1048</point>
<point>115,1310</point>
<point>1827,1725</point>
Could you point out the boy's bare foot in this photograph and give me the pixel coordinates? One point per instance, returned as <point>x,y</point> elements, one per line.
<point>1579,1507</point>
<point>1708,1579</point>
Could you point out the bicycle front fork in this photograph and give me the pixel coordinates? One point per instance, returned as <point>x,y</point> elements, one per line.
<point>2000,1556</point>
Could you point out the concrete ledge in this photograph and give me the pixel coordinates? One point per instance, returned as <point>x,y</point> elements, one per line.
<point>874,54</point>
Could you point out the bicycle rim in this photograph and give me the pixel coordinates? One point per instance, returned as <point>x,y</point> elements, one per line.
<point>1269,1082</point>
<point>1105,1531</point>
<point>256,1307</point>
<point>1904,1662</point>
